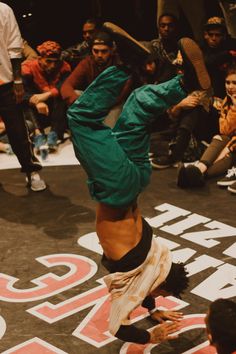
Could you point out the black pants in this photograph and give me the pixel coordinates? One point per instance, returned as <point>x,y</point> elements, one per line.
<point>203,125</point>
<point>16,130</point>
<point>56,119</point>
<point>197,122</point>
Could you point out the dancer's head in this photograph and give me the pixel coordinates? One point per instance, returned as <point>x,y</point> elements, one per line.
<point>221,325</point>
<point>175,283</point>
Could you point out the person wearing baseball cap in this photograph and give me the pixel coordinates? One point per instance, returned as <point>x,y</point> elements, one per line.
<point>219,51</point>
<point>103,55</point>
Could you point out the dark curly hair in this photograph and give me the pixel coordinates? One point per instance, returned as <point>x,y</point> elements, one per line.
<point>177,280</point>
<point>222,324</point>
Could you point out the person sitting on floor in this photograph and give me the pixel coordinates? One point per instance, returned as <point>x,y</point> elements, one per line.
<point>74,54</point>
<point>103,56</point>
<point>166,46</point>
<point>219,51</point>
<point>191,123</point>
<point>116,162</point>
<point>193,120</point>
<point>43,104</point>
<point>221,325</point>
<point>220,154</point>
<point>148,72</point>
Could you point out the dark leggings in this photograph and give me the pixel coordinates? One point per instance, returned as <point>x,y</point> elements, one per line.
<point>211,154</point>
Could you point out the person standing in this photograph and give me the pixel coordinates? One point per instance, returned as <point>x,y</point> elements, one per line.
<point>11,93</point>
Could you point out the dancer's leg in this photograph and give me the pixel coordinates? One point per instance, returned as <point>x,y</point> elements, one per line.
<point>117,162</point>
<point>113,179</point>
<point>143,106</point>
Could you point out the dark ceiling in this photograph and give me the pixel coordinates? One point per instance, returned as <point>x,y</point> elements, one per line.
<point>62,20</point>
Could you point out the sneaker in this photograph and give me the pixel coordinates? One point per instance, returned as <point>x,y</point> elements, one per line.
<point>39,140</point>
<point>195,73</point>
<point>44,151</point>
<point>232,188</point>
<point>189,177</point>
<point>162,162</point>
<point>35,183</point>
<point>229,179</point>
<point>52,141</point>
<point>130,50</point>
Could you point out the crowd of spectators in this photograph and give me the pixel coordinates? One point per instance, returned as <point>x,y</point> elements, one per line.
<point>54,77</point>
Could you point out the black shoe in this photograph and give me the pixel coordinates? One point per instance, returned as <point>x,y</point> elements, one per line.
<point>162,162</point>
<point>196,76</point>
<point>189,177</point>
<point>130,50</point>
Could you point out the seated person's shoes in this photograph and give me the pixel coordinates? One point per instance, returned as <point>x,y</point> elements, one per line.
<point>162,162</point>
<point>189,177</point>
<point>39,141</point>
<point>232,188</point>
<point>52,141</point>
<point>229,179</point>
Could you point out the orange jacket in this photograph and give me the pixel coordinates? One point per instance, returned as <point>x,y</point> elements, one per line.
<point>227,119</point>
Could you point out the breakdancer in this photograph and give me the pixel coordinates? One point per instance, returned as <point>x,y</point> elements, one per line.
<point>116,162</point>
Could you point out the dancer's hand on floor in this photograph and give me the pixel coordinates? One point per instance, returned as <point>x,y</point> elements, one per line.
<point>162,316</point>
<point>162,332</point>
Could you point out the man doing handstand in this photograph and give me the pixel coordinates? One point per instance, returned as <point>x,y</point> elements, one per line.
<point>116,162</point>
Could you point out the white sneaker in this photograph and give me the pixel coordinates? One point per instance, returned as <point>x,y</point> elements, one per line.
<point>35,183</point>
<point>229,179</point>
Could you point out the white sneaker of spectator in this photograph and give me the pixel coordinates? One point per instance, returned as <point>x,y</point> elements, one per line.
<point>229,179</point>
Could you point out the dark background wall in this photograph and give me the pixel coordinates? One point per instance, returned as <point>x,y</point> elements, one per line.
<point>62,20</point>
